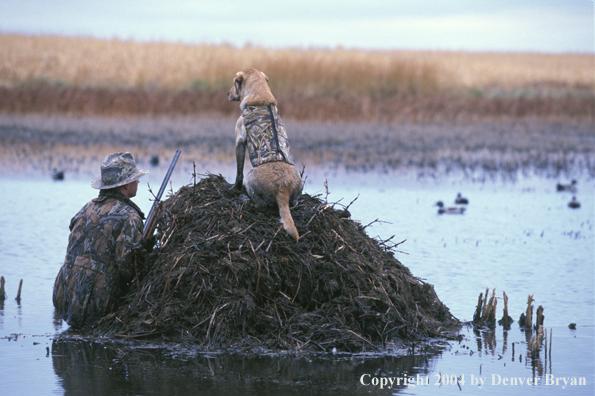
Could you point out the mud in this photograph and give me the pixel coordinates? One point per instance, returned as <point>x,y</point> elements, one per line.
<point>75,145</point>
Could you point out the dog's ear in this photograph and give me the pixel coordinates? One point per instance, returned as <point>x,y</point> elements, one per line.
<point>265,77</point>
<point>238,80</point>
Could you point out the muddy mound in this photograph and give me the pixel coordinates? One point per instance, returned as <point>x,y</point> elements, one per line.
<point>227,275</point>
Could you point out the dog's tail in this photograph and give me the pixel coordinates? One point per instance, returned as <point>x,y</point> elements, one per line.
<point>286,219</point>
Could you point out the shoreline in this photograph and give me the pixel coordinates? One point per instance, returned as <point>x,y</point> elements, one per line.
<point>38,144</point>
<point>424,107</point>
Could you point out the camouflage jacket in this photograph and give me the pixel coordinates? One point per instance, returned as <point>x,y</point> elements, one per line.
<point>264,145</point>
<point>98,262</point>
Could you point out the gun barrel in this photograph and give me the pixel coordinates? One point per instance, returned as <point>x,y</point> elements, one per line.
<point>149,222</point>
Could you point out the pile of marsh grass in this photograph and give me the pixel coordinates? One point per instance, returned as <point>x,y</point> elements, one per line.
<point>227,276</point>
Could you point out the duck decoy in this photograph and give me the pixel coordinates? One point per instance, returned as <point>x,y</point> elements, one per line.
<point>567,187</point>
<point>449,209</point>
<point>154,160</point>
<point>460,200</point>
<point>574,203</point>
<point>58,175</point>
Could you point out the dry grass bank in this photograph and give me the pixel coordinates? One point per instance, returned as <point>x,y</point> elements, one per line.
<point>87,62</point>
<point>85,76</point>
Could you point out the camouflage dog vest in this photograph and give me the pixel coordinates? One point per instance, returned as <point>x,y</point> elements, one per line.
<point>266,136</point>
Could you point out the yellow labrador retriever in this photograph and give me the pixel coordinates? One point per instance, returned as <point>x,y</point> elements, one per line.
<point>273,178</point>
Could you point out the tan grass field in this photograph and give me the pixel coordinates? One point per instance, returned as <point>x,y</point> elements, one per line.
<point>88,62</point>
<point>88,77</point>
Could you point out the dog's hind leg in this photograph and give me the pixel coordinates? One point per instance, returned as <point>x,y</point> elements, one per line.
<point>275,184</point>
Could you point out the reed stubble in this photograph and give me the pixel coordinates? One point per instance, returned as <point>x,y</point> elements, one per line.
<point>38,144</point>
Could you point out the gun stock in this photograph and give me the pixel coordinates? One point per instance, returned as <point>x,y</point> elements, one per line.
<point>151,221</point>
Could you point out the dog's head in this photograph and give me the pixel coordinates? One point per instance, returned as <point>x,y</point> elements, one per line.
<point>250,87</point>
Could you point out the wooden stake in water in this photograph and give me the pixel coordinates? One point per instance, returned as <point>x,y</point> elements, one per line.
<point>492,318</point>
<point>539,319</point>
<point>477,314</point>
<point>506,319</point>
<point>529,314</point>
<point>545,342</point>
<point>489,313</point>
<point>485,312</point>
<point>2,292</point>
<point>18,298</point>
<point>550,344</point>
<point>485,302</point>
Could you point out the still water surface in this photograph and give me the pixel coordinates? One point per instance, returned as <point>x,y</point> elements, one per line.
<point>519,237</point>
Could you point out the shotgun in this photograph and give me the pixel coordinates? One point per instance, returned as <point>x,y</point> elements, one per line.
<point>153,213</point>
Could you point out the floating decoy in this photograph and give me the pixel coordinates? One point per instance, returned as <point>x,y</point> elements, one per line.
<point>567,187</point>
<point>574,203</point>
<point>58,175</point>
<point>460,200</point>
<point>449,209</point>
<point>154,160</point>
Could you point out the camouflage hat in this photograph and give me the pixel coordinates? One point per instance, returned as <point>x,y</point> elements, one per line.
<point>117,169</point>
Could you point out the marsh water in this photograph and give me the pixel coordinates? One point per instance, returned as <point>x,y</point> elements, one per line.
<point>517,235</point>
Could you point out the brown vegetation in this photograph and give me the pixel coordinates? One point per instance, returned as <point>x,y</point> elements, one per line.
<point>84,76</point>
<point>227,276</point>
<point>65,102</point>
<point>37,144</point>
<point>420,108</point>
<point>86,62</point>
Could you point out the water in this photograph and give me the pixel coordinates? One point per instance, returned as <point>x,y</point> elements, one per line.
<point>518,237</point>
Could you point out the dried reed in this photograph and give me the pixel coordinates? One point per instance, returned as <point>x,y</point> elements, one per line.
<point>529,313</point>
<point>485,313</point>
<point>88,62</point>
<point>506,319</point>
<point>223,276</point>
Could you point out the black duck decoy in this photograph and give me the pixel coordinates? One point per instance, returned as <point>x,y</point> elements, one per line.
<point>449,209</point>
<point>574,203</point>
<point>58,175</point>
<point>567,187</point>
<point>460,200</point>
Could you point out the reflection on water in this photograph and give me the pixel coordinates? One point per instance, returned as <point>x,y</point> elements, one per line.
<point>105,369</point>
<point>487,343</point>
<point>496,361</point>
